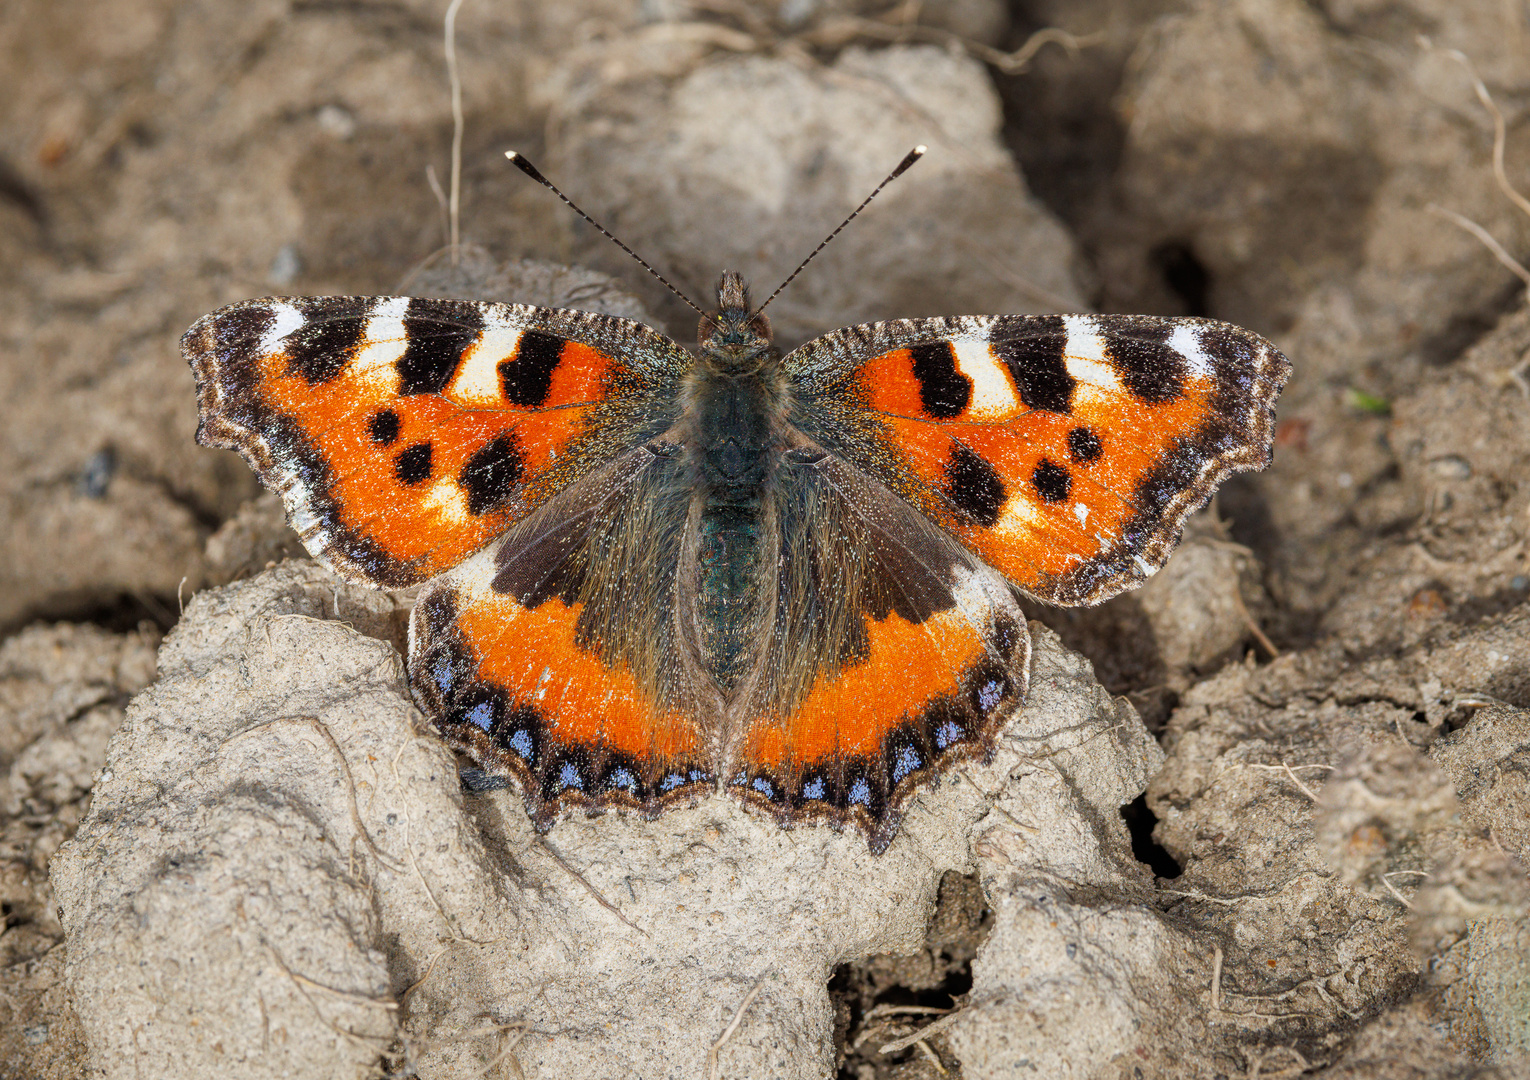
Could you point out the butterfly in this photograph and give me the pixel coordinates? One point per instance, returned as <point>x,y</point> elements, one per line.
<point>652,573</point>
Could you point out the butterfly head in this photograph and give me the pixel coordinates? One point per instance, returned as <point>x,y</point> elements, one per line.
<point>737,335</point>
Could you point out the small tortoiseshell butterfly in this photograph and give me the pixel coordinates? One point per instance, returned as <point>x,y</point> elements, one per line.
<point>657,573</point>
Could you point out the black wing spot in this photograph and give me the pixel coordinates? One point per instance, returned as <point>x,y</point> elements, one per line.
<point>384,427</point>
<point>1053,482</point>
<point>413,464</point>
<point>943,390</point>
<point>1153,371</point>
<point>1037,364</point>
<point>527,376</point>
<point>332,328</point>
<point>491,474</point>
<point>1083,446</point>
<point>973,484</point>
<point>437,333</point>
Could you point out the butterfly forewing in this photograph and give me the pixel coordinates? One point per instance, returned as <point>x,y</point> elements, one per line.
<point>405,433</point>
<point>1065,451</point>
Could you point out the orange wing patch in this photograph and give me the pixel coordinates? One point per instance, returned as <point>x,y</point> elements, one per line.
<point>851,711</point>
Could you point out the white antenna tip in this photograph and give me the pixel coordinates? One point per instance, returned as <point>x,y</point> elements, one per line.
<point>511,154</point>
<point>921,149</point>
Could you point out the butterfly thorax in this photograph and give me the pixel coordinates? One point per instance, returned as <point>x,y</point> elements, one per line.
<point>734,402</point>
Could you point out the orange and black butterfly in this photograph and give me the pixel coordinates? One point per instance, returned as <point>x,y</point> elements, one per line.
<point>658,573</point>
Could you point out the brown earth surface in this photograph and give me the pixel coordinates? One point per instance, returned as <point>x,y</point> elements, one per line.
<point>1316,864</point>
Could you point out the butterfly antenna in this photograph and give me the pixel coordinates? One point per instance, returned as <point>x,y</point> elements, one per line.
<point>531,170</point>
<point>908,159</point>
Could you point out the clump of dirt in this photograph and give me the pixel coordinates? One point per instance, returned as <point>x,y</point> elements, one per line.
<point>63,693</point>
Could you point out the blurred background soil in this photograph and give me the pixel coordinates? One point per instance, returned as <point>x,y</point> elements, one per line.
<point>1337,637</point>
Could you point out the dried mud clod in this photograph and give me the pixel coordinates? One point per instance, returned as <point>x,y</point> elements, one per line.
<point>274,782</point>
<point>63,692</point>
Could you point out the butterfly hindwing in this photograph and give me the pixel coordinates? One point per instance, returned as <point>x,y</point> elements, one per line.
<point>553,655</point>
<point>404,433</point>
<point>889,653</point>
<point>1065,451</point>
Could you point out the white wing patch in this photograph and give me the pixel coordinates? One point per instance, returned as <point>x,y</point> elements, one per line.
<point>1019,518</point>
<point>1186,340</point>
<point>477,381</point>
<point>285,319</point>
<point>473,580</point>
<point>446,500</point>
<point>383,344</point>
<point>1084,355</point>
<point>993,391</point>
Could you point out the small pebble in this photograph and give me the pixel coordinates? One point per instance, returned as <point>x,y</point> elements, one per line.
<point>97,474</point>
<point>1451,467</point>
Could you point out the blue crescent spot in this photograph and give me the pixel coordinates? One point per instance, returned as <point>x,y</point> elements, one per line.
<point>481,714</point>
<point>569,777</point>
<point>991,694</point>
<point>813,789</point>
<point>860,792</point>
<point>441,672</point>
<point>522,743</point>
<point>670,782</point>
<point>622,778</point>
<point>907,761</point>
<point>947,733</point>
<point>697,776</point>
<point>764,787</point>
